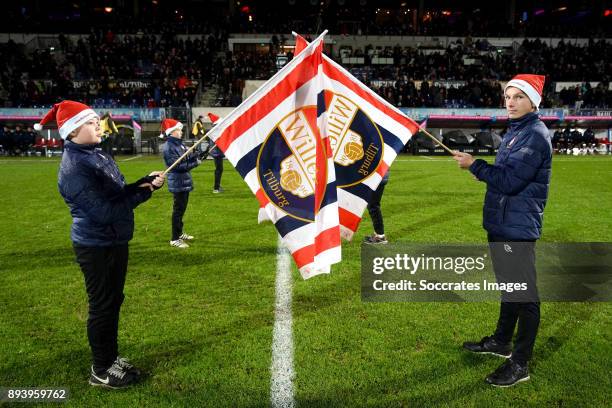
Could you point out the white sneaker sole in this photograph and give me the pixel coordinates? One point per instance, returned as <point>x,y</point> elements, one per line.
<point>179,246</point>
<point>107,386</point>
<point>494,354</point>
<point>489,352</point>
<point>510,385</point>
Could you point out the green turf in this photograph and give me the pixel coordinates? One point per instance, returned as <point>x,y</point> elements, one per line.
<point>199,321</point>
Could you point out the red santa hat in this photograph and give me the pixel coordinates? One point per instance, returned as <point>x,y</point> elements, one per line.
<point>532,85</point>
<point>213,118</point>
<point>69,115</point>
<point>169,125</point>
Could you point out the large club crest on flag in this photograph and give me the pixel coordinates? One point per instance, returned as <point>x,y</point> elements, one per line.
<point>356,142</point>
<point>287,168</point>
<point>366,133</point>
<point>274,141</point>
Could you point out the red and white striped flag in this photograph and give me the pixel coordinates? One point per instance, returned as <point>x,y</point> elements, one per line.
<point>274,142</point>
<point>366,133</point>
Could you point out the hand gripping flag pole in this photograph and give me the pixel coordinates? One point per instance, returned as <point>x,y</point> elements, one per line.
<point>187,153</point>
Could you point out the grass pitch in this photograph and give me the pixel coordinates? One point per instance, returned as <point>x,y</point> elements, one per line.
<point>199,321</point>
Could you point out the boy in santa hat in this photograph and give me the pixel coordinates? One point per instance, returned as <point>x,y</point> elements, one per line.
<point>102,207</point>
<point>180,182</point>
<point>517,191</point>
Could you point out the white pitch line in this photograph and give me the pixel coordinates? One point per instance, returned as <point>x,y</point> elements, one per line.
<point>426,157</point>
<point>281,384</point>
<point>132,158</point>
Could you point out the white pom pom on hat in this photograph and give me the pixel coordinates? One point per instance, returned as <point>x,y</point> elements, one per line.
<point>69,115</point>
<point>170,125</point>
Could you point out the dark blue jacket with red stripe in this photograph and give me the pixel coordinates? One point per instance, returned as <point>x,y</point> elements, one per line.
<point>100,202</point>
<point>518,182</point>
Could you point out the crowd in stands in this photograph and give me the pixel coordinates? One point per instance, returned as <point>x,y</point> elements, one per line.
<point>565,61</point>
<point>585,96</point>
<point>140,65</point>
<point>477,80</point>
<point>109,70</point>
<point>475,93</point>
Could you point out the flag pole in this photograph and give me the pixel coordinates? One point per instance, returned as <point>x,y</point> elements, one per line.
<point>437,141</point>
<point>185,154</point>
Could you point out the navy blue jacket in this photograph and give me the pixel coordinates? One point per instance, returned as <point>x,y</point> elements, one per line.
<point>100,202</point>
<point>517,184</point>
<point>179,179</point>
<point>216,152</point>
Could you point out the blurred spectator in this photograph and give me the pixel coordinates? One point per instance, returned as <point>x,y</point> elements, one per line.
<point>475,67</point>
<point>107,69</point>
<point>17,140</point>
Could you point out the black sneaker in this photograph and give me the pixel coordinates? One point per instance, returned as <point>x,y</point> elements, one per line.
<point>128,367</point>
<point>375,239</point>
<point>113,377</point>
<point>488,345</point>
<point>508,374</point>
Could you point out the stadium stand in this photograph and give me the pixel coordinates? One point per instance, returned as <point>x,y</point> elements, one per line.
<point>161,71</point>
<point>180,55</point>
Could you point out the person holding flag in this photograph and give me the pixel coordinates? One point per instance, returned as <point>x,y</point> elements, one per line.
<point>517,191</point>
<point>180,182</point>
<point>102,207</point>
